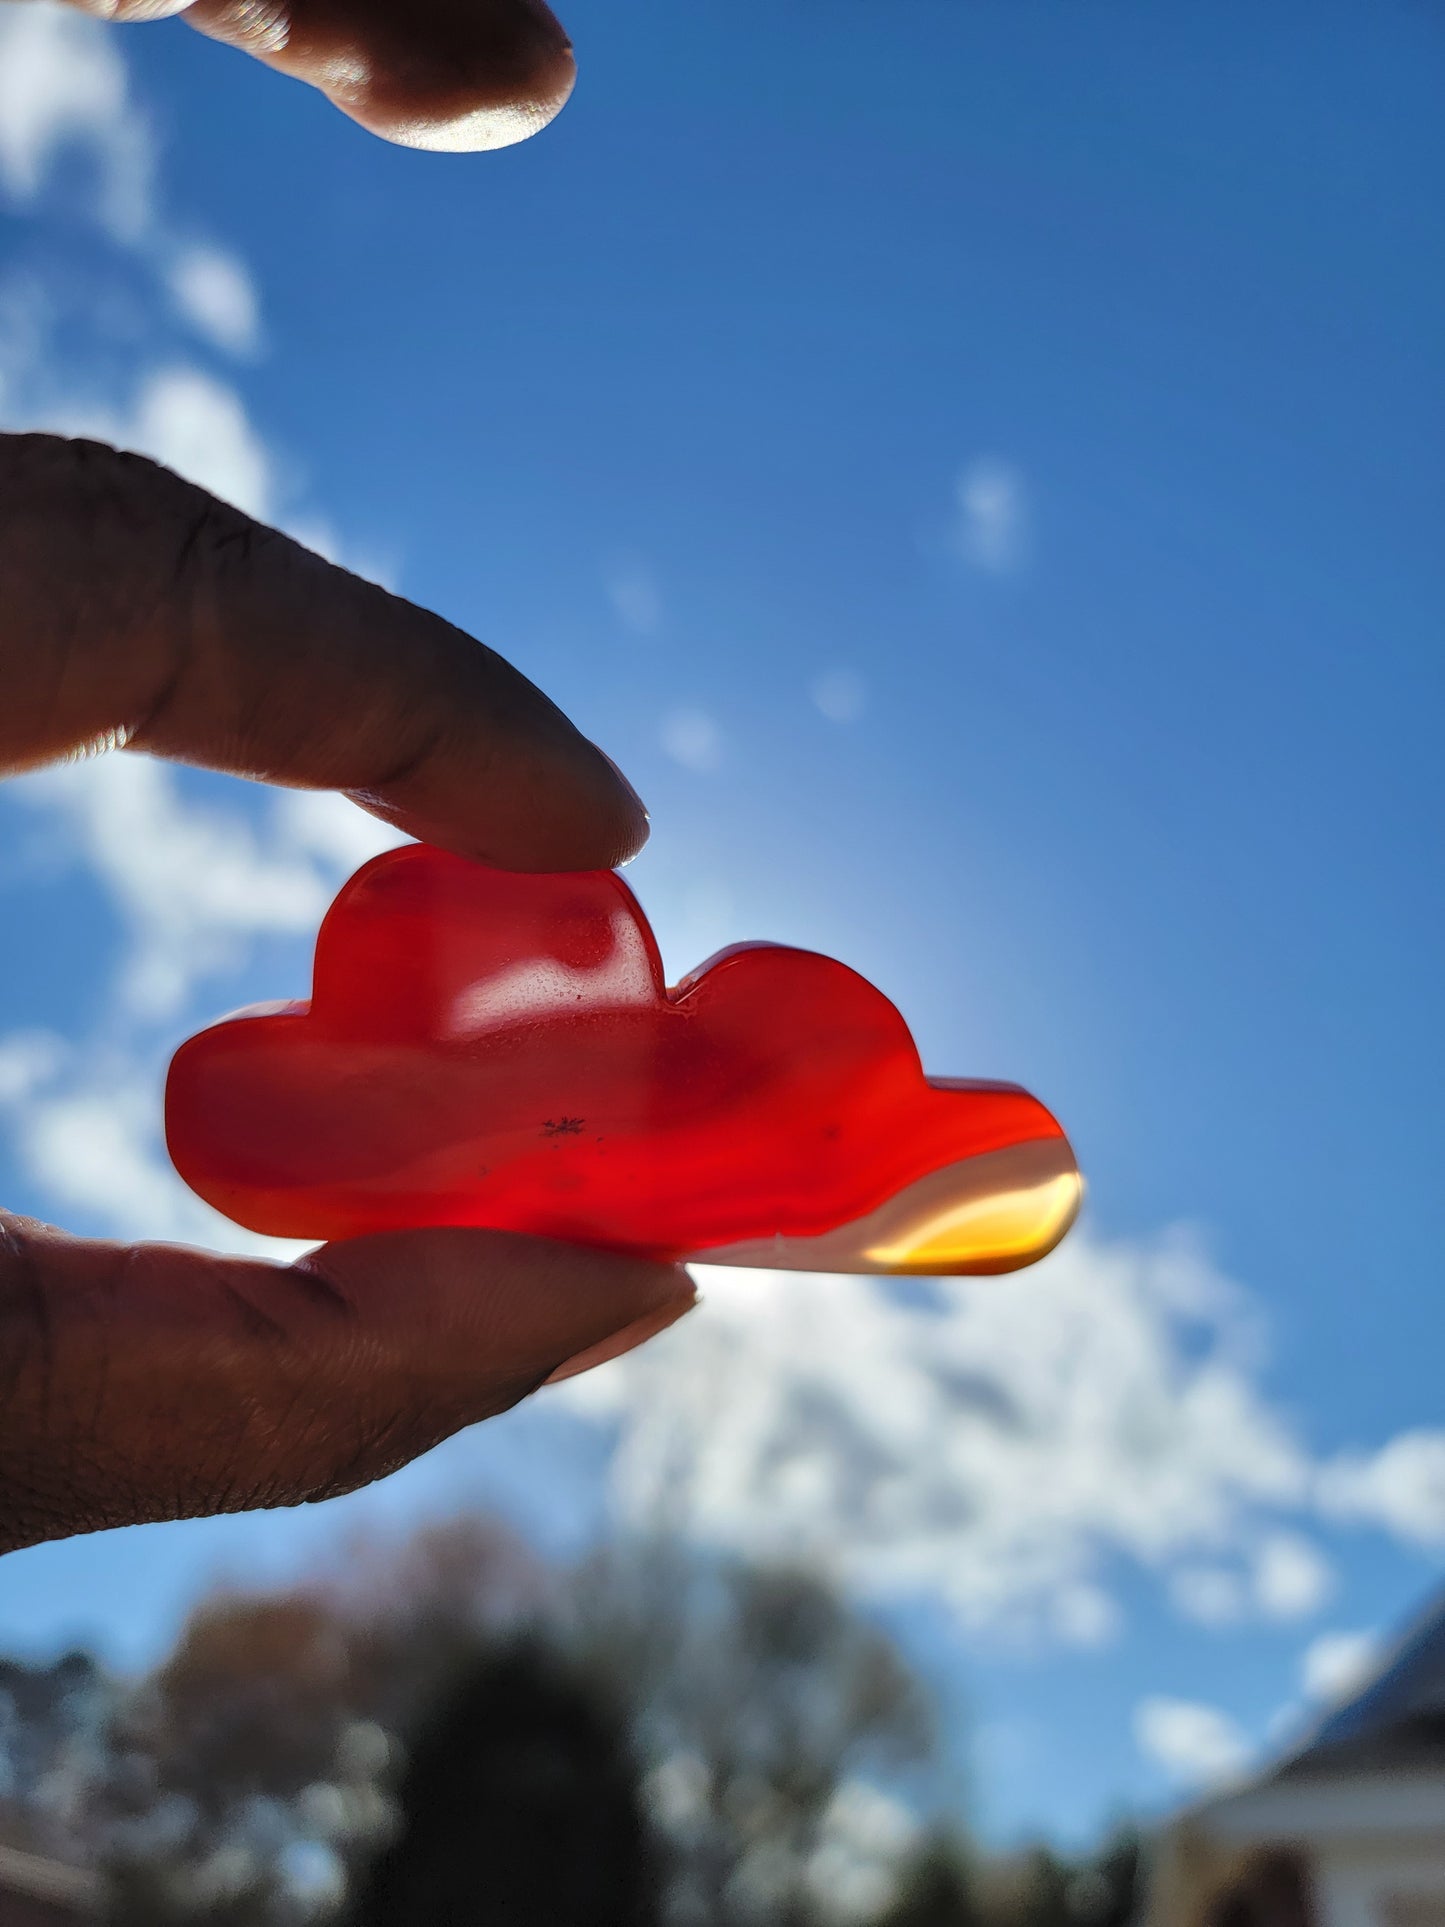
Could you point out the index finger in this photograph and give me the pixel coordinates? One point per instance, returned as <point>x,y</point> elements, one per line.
<point>139,610</point>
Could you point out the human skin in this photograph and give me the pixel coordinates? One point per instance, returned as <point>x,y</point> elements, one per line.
<point>151,1382</point>
<point>456,75</point>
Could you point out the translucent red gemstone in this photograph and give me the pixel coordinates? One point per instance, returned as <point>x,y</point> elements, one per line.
<point>486,1048</point>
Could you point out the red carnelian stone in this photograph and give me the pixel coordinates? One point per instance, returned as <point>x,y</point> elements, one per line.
<point>486,1048</point>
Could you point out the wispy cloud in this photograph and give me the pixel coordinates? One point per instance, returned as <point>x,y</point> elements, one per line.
<point>839,694</point>
<point>1196,1745</point>
<point>63,81</point>
<point>1210,1595</point>
<point>635,594</point>
<point>28,1060</point>
<point>1338,1664</point>
<point>194,885</point>
<point>190,421</point>
<point>199,427</point>
<point>195,888</point>
<point>65,89</point>
<point>84,1125</point>
<point>692,738</point>
<point>64,85</point>
<point>1006,1452</point>
<point>1400,1487</point>
<point>998,1449</point>
<point>213,290</point>
<point>1282,1577</point>
<point>1292,1577</point>
<point>991,516</point>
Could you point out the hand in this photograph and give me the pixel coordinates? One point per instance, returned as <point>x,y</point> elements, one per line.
<point>152,1382</point>
<point>458,75</point>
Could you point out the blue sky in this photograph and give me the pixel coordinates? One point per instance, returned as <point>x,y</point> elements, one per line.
<point>978,469</point>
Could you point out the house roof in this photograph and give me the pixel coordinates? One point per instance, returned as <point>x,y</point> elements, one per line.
<point>1398,1720</point>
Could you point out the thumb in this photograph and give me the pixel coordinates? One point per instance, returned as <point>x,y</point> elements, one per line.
<point>153,1382</point>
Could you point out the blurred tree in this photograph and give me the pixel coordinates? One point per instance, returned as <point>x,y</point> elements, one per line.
<point>948,1885</point>
<point>520,1806</point>
<point>53,1747</point>
<point>252,1773</point>
<point>1031,1889</point>
<point>230,1800</point>
<point>1108,1890</point>
<point>768,1714</point>
<point>456,1735</point>
<point>938,1888</point>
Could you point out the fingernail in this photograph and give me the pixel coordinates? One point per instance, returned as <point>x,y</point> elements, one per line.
<point>627,1340</point>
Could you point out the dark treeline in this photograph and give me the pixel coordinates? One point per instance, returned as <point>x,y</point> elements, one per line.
<point>455,1738</point>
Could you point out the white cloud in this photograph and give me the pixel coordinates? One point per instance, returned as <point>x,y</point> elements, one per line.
<point>196,887</point>
<point>1210,1595</point>
<point>25,320</point>
<point>327,826</point>
<point>997,1446</point>
<point>632,589</point>
<point>1337,1665</point>
<point>692,738</point>
<point>28,1059</point>
<point>1285,1577</point>
<point>214,292</point>
<point>64,87</point>
<point>1400,1487</point>
<point>199,427</point>
<point>86,1130</point>
<point>840,694</point>
<point>195,884</point>
<point>1084,1616</point>
<point>1196,1745</point>
<point>91,1151</point>
<point>1002,1447</point>
<point>180,416</point>
<point>63,84</point>
<point>1292,1578</point>
<point>991,507</point>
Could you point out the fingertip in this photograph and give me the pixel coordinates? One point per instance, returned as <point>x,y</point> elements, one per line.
<point>629,1338</point>
<point>450,76</point>
<point>553,802</point>
<point>591,822</point>
<point>634,820</point>
<point>475,129</point>
<point>602,825</point>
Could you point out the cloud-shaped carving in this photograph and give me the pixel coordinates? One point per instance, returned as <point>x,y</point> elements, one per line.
<point>486,1048</point>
